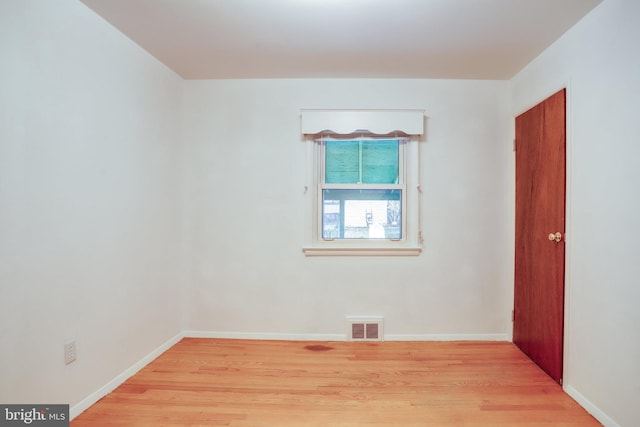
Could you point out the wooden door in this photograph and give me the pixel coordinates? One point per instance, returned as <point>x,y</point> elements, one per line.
<point>540,213</point>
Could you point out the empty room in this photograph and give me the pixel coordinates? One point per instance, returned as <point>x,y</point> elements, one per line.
<point>320,212</point>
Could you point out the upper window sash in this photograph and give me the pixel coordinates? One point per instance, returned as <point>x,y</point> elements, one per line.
<point>364,178</point>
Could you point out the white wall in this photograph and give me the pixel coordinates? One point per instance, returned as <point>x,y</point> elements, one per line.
<point>88,182</point>
<point>92,232</point>
<point>247,213</point>
<point>599,60</point>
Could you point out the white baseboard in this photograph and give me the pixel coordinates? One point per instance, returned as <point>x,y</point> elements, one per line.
<point>590,407</point>
<point>342,337</point>
<point>85,403</point>
<point>264,336</point>
<point>446,337</point>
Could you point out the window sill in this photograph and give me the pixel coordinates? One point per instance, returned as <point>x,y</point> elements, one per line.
<point>348,251</point>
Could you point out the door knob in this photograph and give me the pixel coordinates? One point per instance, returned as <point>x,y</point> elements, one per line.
<point>557,237</point>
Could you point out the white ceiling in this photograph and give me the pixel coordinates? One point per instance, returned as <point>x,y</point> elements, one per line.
<point>469,39</point>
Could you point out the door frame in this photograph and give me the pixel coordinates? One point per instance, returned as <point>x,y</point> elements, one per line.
<point>568,221</point>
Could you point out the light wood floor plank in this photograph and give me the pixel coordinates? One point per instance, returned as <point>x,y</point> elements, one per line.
<point>218,382</point>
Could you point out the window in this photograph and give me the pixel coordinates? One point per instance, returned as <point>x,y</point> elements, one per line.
<point>363,192</point>
<point>361,189</point>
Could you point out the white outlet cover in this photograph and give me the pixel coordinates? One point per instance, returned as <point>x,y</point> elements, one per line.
<point>69,352</point>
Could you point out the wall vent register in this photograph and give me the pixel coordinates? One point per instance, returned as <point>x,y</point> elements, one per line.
<point>365,328</point>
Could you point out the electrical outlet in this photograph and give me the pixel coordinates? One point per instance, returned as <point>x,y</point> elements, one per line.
<point>69,352</point>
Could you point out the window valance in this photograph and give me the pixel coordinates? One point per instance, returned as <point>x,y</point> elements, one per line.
<point>376,122</point>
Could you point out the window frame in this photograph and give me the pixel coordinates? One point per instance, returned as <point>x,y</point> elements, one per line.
<point>409,183</point>
<point>323,185</point>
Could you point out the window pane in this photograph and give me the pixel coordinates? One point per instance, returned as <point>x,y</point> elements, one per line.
<point>380,162</point>
<point>342,162</point>
<point>361,214</point>
<point>362,161</point>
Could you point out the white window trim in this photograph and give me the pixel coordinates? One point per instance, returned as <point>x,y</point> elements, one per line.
<point>409,245</point>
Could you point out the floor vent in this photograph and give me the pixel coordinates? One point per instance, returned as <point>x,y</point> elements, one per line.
<point>365,328</point>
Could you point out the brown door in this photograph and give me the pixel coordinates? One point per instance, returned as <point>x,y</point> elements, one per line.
<point>540,214</point>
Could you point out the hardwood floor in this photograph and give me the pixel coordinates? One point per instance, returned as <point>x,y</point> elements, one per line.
<point>217,382</point>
